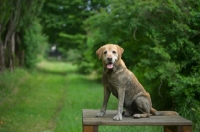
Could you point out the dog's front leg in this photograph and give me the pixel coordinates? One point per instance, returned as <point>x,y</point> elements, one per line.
<point>121,94</point>
<point>105,102</point>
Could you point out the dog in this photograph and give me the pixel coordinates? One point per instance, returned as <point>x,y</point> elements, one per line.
<point>123,84</point>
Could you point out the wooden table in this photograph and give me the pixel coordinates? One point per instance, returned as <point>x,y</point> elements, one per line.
<point>170,123</point>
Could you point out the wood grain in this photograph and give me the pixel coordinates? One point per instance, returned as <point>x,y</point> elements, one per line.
<point>89,118</point>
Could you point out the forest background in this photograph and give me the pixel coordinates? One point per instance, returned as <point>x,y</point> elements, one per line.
<point>161,39</point>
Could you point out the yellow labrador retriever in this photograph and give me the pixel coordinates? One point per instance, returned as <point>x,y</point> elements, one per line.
<point>123,84</point>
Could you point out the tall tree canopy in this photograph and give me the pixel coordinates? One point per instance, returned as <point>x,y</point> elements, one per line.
<point>63,21</point>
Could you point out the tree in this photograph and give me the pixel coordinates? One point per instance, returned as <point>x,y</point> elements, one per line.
<point>30,33</point>
<point>17,16</point>
<point>9,19</point>
<point>63,21</point>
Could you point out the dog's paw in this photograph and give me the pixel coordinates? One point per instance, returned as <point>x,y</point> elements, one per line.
<point>118,117</point>
<point>100,114</point>
<point>136,115</point>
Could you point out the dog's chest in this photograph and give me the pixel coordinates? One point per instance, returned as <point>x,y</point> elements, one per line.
<point>112,83</point>
<point>123,82</point>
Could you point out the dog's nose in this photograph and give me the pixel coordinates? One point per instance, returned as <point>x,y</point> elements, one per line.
<point>109,59</point>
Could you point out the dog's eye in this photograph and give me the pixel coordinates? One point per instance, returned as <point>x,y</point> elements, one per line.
<point>114,52</point>
<point>105,52</point>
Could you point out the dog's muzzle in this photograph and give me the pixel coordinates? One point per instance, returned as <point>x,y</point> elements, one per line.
<point>109,63</point>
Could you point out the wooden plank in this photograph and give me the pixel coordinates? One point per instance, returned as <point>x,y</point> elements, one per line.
<point>90,119</point>
<point>170,128</point>
<point>187,128</point>
<point>178,129</point>
<point>90,128</point>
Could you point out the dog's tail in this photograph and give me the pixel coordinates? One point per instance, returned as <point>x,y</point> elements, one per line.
<point>162,113</point>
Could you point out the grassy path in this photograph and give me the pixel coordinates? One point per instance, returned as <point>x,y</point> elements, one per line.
<point>33,101</point>
<point>51,99</point>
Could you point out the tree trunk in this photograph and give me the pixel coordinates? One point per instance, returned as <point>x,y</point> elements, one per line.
<point>2,53</point>
<point>12,52</point>
<point>19,51</point>
<point>2,57</point>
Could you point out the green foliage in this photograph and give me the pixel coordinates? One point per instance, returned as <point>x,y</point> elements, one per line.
<point>5,9</point>
<point>161,42</point>
<point>33,40</point>
<point>76,39</point>
<point>20,34</point>
<point>63,22</point>
<point>34,43</point>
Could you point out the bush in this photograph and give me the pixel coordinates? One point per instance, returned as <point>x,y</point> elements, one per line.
<point>34,42</point>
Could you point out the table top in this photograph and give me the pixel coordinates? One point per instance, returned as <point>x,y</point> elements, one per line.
<point>89,118</point>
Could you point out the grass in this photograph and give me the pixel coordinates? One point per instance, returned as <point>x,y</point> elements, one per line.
<point>51,99</point>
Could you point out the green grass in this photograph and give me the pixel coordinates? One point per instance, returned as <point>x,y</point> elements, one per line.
<point>51,99</point>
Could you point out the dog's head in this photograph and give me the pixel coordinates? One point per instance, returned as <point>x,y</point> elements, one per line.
<point>110,54</point>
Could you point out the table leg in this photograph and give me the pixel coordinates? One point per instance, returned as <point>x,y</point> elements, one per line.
<point>177,128</point>
<point>90,128</point>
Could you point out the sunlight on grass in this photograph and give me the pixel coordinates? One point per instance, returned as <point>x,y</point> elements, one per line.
<point>57,66</point>
<point>51,99</point>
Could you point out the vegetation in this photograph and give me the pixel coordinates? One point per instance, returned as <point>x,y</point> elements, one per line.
<point>161,42</point>
<point>51,98</point>
<point>160,38</point>
<point>19,33</point>
<point>63,21</point>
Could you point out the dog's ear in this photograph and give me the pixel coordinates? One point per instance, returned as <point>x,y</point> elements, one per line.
<point>99,52</point>
<point>120,51</point>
